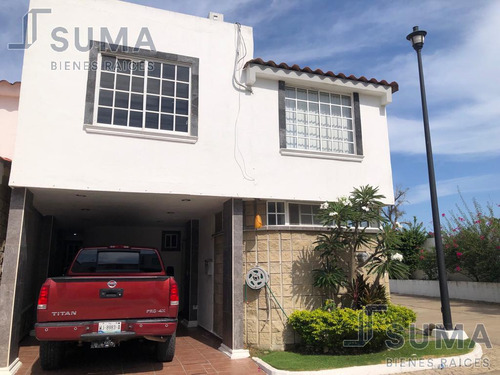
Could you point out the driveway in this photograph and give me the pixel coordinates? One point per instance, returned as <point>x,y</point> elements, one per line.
<point>196,353</point>
<point>467,313</point>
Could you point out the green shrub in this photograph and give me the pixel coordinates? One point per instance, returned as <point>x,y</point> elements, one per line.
<point>360,293</point>
<point>397,314</point>
<point>412,237</point>
<point>325,331</point>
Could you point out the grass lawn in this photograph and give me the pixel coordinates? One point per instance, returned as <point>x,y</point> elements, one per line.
<point>293,361</point>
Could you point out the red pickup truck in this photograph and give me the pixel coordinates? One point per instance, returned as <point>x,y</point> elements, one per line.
<point>110,294</point>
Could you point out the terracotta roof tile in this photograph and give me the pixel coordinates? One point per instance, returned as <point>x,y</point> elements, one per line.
<point>4,82</point>
<point>258,61</point>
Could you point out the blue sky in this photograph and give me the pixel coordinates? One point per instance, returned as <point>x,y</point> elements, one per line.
<point>361,37</point>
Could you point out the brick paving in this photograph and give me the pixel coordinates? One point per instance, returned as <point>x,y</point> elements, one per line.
<point>196,353</point>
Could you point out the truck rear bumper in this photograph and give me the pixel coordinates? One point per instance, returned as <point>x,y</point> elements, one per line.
<point>89,330</point>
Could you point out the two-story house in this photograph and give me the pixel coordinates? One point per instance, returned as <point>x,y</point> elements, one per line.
<point>141,126</point>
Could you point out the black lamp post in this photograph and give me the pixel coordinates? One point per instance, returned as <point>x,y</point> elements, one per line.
<point>417,41</point>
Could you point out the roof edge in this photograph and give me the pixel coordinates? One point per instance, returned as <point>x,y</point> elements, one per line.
<point>258,61</point>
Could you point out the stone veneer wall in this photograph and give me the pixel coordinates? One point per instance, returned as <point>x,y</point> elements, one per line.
<point>289,258</point>
<point>4,205</point>
<point>287,254</point>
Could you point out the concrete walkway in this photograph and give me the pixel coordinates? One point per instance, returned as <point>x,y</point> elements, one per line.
<point>463,312</point>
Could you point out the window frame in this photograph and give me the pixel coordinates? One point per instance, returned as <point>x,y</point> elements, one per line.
<point>97,50</point>
<point>302,225</point>
<point>285,213</point>
<point>356,119</point>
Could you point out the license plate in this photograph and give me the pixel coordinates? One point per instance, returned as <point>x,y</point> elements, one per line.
<point>110,327</point>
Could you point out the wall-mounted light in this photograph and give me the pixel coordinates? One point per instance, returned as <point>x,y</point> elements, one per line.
<point>258,222</point>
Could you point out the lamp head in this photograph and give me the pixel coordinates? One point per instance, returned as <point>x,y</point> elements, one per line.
<point>417,38</point>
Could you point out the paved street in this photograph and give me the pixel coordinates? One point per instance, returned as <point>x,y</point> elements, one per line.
<point>467,313</point>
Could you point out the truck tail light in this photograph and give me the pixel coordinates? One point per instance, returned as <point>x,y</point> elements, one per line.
<point>43,298</point>
<point>174,293</point>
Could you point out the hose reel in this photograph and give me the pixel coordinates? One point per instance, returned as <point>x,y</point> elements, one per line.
<point>257,278</point>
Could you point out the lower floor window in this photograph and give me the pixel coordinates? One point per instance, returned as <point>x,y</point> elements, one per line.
<point>275,213</point>
<point>288,213</point>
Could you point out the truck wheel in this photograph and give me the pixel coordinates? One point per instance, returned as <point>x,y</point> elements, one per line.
<point>165,350</point>
<point>51,354</point>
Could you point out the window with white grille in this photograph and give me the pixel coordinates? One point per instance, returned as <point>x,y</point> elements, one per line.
<point>319,121</point>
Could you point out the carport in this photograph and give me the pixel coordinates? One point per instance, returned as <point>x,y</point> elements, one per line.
<point>48,226</point>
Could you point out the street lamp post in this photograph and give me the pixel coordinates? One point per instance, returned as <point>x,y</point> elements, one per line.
<point>417,41</point>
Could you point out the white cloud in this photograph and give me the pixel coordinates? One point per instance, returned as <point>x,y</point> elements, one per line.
<point>470,184</point>
<point>462,93</point>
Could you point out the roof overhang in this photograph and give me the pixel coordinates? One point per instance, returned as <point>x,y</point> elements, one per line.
<point>320,82</point>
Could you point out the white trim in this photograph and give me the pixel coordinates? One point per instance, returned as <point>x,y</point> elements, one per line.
<point>234,353</point>
<point>452,334</point>
<point>291,228</point>
<point>253,71</point>
<point>139,133</point>
<point>400,367</point>
<point>12,369</point>
<point>320,155</point>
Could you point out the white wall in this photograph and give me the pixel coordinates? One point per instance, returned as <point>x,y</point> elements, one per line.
<point>9,101</point>
<point>467,290</point>
<point>53,150</point>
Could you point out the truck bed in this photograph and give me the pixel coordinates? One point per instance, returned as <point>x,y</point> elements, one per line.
<point>107,297</point>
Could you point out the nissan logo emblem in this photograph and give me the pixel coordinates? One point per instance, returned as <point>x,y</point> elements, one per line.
<point>111,283</point>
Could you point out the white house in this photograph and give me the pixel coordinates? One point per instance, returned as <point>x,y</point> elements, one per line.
<point>141,126</point>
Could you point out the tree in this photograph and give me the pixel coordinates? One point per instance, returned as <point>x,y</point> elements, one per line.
<point>394,213</point>
<point>347,220</point>
<point>411,241</point>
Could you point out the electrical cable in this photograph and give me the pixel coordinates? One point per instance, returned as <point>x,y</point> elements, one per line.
<point>240,43</point>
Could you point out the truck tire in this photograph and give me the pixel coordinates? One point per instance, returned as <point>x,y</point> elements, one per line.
<point>165,350</point>
<point>51,354</point>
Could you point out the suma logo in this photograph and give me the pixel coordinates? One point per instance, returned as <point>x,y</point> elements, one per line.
<point>111,284</point>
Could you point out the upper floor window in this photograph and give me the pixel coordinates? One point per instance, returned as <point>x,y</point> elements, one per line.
<point>319,121</point>
<point>143,94</point>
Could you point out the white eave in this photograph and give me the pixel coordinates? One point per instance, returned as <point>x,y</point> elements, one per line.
<point>317,81</point>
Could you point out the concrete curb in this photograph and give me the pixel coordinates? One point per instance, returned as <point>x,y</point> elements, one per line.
<point>466,360</point>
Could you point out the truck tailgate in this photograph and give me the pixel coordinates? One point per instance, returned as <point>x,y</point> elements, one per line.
<point>107,297</point>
